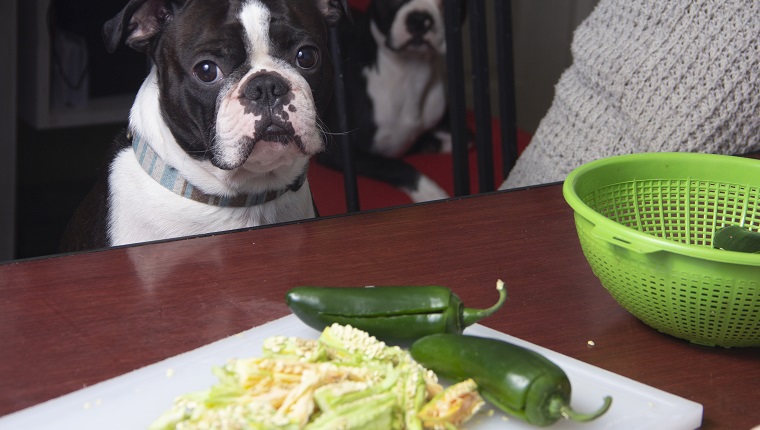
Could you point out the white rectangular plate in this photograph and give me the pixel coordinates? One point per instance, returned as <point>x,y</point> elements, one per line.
<point>133,400</point>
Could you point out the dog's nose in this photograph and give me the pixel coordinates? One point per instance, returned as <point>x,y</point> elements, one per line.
<point>266,89</point>
<point>418,22</point>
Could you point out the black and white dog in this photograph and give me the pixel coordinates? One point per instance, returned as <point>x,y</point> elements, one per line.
<point>222,130</point>
<point>395,91</point>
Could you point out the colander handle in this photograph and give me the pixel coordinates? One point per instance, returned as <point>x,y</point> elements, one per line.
<point>623,239</point>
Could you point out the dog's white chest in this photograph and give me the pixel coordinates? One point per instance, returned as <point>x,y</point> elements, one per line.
<point>408,99</point>
<point>143,210</point>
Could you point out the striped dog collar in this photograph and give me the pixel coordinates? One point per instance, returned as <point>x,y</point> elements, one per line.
<point>171,179</point>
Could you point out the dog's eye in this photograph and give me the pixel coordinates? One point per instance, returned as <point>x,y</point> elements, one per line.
<point>208,72</point>
<point>307,57</point>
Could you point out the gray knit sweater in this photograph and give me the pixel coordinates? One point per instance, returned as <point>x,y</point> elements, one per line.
<point>652,76</point>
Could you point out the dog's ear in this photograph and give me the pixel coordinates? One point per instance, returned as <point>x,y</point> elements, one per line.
<point>138,23</point>
<point>334,10</point>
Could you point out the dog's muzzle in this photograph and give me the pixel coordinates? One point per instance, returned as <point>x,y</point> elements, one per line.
<point>416,31</point>
<point>267,90</point>
<point>418,23</point>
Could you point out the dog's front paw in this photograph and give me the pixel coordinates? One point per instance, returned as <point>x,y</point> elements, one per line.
<point>440,142</point>
<point>433,142</point>
<point>425,191</point>
<point>447,144</point>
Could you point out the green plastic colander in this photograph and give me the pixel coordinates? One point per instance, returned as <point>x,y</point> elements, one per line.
<point>646,223</point>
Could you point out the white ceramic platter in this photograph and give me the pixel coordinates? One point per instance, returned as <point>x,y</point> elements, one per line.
<point>133,400</point>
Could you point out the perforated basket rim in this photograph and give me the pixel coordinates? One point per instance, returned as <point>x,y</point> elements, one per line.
<point>654,243</point>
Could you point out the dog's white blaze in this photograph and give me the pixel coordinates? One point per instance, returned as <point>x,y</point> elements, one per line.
<point>255,20</point>
<point>427,190</point>
<point>233,124</point>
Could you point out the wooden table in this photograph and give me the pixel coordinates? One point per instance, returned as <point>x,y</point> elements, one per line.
<point>72,321</point>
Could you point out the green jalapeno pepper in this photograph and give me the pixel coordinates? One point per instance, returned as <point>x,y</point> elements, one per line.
<point>521,382</point>
<point>736,238</point>
<point>388,313</point>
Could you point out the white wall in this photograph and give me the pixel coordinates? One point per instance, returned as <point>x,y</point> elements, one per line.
<point>542,32</point>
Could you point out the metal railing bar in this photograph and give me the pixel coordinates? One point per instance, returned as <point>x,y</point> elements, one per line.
<point>505,65</point>
<point>456,96</point>
<point>481,93</point>
<point>343,139</point>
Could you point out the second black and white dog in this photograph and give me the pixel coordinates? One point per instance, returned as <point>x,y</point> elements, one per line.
<point>222,130</point>
<point>395,93</point>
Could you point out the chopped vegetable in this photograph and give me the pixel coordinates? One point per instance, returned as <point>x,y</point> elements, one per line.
<point>453,406</point>
<point>346,380</point>
<point>389,313</point>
